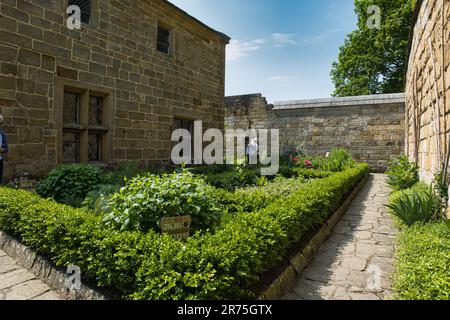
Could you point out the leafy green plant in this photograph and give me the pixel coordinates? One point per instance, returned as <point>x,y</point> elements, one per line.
<point>422,264</point>
<point>97,199</point>
<point>71,183</point>
<point>310,174</point>
<point>125,171</point>
<point>415,205</point>
<point>402,173</point>
<point>338,160</point>
<point>256,198</point>
<point>146,199</point>
<point>441,185</point>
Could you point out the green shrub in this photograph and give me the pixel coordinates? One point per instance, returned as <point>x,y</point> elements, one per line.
<point>286,171</point>
<point>338,160</point>
<point>402,173</point>
<point>311,173</point>
<point>97,199</point>
<point>70,183</point>
<point>415,205</point>
<point>226,264</point>
<point>223,265</point>
<point>238,177</point>
<point>145,200</point>
<point>256,198</point>
<point>422,267</point>
<point>212,169</point>
<point>125,171</point>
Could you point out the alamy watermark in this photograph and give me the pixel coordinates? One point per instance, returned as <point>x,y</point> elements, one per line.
<point>74,18</point>
<point>73,281</point>
<point>374,20</point>
<point>233,147</point>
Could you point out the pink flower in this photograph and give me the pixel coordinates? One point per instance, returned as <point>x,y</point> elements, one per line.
<point>295,159</point>
<point>308,163</point>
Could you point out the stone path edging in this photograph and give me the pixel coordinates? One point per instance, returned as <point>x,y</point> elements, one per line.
<point>44,270</point>
<point>299,262</point>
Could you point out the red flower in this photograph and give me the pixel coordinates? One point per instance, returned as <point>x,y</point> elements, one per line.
<point>308,163</point>
<point>295,159</point>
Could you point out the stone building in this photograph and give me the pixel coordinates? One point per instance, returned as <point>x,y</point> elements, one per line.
<point>428,88</point>
<point>110,92</point>
<point>372,128</point>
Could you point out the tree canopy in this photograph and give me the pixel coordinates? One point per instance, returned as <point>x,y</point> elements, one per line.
<point>373,60</point>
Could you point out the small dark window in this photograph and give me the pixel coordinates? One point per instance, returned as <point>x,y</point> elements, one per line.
<point>189,126</point>
<point>163,44</point>
<point>85,7</point>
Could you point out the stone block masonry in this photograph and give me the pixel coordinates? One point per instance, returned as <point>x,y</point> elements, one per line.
<point>428,88</point>
<point>370,127</point>
<point>112,62</point>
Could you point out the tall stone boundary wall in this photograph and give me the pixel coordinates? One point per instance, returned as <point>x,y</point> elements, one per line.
<point>428,88</point>
<point>372,128</point>
<point>115,55</point>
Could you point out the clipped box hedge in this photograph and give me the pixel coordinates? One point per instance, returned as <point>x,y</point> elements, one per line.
<point>422,267</point>
<point>223,265</point>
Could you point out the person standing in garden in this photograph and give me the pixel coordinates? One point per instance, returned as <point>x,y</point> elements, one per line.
<point>3,149</point>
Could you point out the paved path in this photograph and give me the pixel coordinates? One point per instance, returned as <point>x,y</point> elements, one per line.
<point>17,283</point>
<point>355,263</point>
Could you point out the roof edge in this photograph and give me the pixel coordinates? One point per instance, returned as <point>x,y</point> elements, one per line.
<point>223,36</point>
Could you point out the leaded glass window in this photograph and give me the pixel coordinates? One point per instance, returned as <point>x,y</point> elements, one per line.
<point>71,147</point>
<point>95,111</point>
<point>85,8</point>
<point>71,107</point>
<point>94,145</point>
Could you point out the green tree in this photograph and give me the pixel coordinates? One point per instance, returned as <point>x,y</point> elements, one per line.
<point>372,60</point>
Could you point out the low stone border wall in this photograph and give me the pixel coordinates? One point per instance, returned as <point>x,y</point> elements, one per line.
<point>44,270</point>
<point>299,261</point>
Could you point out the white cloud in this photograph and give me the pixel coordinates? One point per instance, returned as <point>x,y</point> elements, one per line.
<point>282,79</point>
<point>283,39</point>
<point>238,49</point>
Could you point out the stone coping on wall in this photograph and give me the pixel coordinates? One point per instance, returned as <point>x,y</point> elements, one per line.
<point>378,99</point>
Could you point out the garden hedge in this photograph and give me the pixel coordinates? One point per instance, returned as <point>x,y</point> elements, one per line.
<point>223,265</point>
<point>422,268</point>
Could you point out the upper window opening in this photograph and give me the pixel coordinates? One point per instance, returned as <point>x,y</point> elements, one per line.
<point>163,44</point>
<point>85,7</point>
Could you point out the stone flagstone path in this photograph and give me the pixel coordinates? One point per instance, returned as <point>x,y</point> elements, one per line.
<point>355,263</point>
<point>17,283</point>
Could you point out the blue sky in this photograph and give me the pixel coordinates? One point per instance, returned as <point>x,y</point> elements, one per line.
<point>280,48</point>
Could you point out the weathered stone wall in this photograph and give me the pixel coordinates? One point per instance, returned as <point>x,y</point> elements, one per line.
<point>116,53</point>
<point>370,127</point>
<point>428,88</point>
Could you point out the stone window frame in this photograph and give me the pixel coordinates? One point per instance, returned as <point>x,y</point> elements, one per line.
<point>107,128</point>
<point>171,29</point>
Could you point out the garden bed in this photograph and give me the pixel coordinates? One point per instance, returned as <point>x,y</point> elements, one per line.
<point>422,264</point>
<point>122,249</point>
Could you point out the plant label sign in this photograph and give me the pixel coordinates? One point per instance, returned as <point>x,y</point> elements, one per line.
<point>178,228</point>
